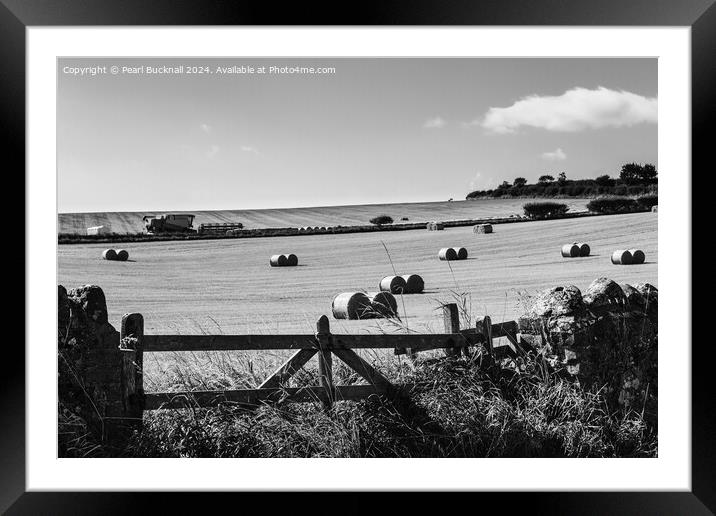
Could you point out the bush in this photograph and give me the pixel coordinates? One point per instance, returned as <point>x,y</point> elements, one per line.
<point>612,205</point>
<point>381,219</point>
<point>577,190</point>
<point>620,190</point>
<point>541,210</point>
<point>648,201</point>
<point>605,180</point>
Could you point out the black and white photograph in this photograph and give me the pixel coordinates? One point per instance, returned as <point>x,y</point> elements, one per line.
<point>357,257</point>
<point>405,248</point>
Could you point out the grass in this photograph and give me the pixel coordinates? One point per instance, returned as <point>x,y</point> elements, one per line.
<point>456,409</point>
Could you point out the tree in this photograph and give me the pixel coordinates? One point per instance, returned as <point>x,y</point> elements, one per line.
<point>545,179</point>
<point>648,174</point>
<point>604,180</point>
<point>635,174</point>
<point>505,185</point>
<point>381,219</point>
<point>562,179</point>
<point>519,182</point>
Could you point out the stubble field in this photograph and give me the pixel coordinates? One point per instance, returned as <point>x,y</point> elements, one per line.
<point>227,286</point>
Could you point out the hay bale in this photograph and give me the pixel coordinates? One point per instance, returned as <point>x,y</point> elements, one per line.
<point>383,304</point>
<point>109,254</point>
<point>122,255</point>
<point>351,305</point>
<point>447,254</point>
<point>584,248</point>
<point>461,253</point>
<point>621,257</point>
<point>435,226</point>
<point>414,284</point>
<point>482,228</point>
<point>291,260</point>
<point>393,284</point>
<point>654,209</point>
<point>99,230</point>
<point>570,250</point>
<point>278,260</point>
<point>637,256</point>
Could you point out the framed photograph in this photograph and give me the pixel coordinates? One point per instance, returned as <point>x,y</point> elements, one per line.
<point>418,249</point>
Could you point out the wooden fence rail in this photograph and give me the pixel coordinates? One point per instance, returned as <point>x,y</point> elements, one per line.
<point>323,344</point>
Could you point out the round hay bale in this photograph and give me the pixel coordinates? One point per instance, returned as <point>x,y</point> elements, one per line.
<point>637,256</point>
<point>654,209</point>
<point>122,255</point>
<point>584,248</point>
<point>278,260</point>
<point>461,253</point>
<point>621,257</point>
<point>414,284</point>
<point>570,250</point>
<point>109,254</point>
<point>351,305</point>
<point>393,284</point>
<point>482,228</point>
<point>383,304</point>
<point>447,254</point>
<point>291,260</point>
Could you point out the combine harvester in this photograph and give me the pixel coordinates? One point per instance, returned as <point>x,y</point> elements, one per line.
<point>169,223</point>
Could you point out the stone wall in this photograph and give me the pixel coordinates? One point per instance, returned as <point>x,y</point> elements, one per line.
<point>606,336</point>
<point>92,364</point>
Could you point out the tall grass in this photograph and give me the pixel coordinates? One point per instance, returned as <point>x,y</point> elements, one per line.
<point>455,409</point>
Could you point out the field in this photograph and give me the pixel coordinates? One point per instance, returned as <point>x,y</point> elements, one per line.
<point>227,286</point>
<point>131,222</point>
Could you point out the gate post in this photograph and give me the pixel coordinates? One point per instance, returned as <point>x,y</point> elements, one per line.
<point>484,326</point>
<point>325,362</point>
<point>451,319</point>
<point>131,372</point>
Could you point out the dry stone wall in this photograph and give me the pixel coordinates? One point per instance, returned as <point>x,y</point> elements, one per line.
<point>90,363</point>
<point>605,337</point>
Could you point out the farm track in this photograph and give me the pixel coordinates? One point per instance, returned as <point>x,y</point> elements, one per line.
<point>131,222</point>
<point>227,286</point>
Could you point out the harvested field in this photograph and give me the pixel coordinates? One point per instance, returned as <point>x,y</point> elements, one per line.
<point>226,285</point>
<point>131,222</point>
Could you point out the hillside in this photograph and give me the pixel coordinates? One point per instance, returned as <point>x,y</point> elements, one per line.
<point>131,222</point>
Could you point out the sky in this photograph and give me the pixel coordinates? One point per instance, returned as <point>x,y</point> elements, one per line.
<point>366,130</point>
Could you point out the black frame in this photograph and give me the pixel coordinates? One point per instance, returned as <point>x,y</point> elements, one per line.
<point>16,15</point>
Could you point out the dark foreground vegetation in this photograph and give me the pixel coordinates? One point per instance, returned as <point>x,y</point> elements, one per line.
<point>456,408</point>
<point>634,179</point>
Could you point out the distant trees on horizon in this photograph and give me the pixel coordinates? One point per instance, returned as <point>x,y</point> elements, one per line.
<point>634,179</point>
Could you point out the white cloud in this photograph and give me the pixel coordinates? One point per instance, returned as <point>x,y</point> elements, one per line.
<point>435,123</point>
<point>205,128</point>
<point>557,155</point>
<point>577,109</point>
<point>249,148</point>
<point>213,151</point>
